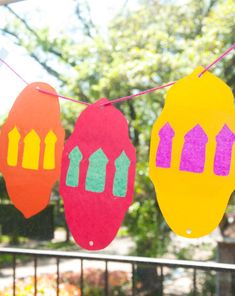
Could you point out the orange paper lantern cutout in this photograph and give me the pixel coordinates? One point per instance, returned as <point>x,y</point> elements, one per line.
<point>31,144</point>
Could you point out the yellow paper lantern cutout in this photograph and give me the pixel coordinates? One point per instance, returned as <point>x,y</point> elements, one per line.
<point>191,154</point>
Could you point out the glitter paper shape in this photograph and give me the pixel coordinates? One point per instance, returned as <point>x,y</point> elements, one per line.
<point>194,150</point>
<point>122,164</point>
<point>163,157</point>
<point>224,145</point>
<point>75,157</point>
<point>96,174</point>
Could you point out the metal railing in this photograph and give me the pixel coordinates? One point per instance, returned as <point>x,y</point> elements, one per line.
<point>133,261</point>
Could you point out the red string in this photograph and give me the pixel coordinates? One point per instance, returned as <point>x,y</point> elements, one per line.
<point>126,98</point>
<point>39,89</point>
<point>138,94</point>
<point>217,60</point>
<point>168,84</point>
<point>17,74</point>
<point>62,97</point>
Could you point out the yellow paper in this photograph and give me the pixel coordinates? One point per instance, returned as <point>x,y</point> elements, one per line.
<point>31,151</point>
<point>193,202</point>
<point>13,148</point>
<point>49,154</point>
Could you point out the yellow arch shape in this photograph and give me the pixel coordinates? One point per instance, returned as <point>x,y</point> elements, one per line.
<point>49,153</point>
<point>13,147</point>
<point>31,152</point>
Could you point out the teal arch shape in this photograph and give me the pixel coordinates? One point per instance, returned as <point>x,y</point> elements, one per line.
<point>96,174</point>
<point>72,178</point>
<point>122,164</point>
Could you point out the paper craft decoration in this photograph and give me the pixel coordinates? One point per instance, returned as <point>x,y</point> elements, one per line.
<point>191,154</point>
<point>31,144</point>
<point>97,176</point>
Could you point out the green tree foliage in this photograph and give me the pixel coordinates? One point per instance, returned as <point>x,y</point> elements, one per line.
<point>158,42</point>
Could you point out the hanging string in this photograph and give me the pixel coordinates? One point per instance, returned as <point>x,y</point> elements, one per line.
<point>168,84</point>
<point>17,74</point>
<point>60,96</point>
<point>138,94</point>
<point>126,98</point>
<point>42,90</point>
<point>217,60</point>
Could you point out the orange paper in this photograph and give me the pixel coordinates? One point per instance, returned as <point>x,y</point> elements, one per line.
<point>31,144</point>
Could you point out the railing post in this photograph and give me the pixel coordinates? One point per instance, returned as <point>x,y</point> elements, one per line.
<point>233,283</point>
<point>161,280</point>
<point>35,276</point>
<point>58,276</point>
<point>106,279</point>
<point>194,282</point>
<point>133,279</point>
<point>14,274</point>
<point>81,279</point>
<point>133,262</point>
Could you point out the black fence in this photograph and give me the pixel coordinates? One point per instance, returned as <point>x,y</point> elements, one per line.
<point>195,266</point>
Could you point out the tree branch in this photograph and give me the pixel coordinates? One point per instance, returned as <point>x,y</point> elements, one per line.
<point>38,38</point>
<point>87,23</point>
<point>47,68</point>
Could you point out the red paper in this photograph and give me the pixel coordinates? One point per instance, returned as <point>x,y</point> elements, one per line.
<point>97,160</point>
<point>31,144</point>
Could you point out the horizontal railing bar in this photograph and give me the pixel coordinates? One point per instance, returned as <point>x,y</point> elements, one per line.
<point>124,259</point>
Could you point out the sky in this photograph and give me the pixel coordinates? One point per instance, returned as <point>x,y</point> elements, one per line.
<point>55,14</point>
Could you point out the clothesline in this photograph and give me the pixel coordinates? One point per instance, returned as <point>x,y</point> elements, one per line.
<point>126,98</point>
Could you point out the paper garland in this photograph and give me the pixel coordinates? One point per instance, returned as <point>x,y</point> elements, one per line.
<point>31,144</point>
<point>191,149</point>
<point>190,154</point>
<point>97,176</point>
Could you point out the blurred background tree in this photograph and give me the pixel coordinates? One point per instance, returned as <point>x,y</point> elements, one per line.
<point>152,44</point>
<point>158,42</point>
